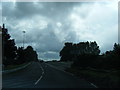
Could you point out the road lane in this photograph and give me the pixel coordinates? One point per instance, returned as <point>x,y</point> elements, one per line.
<point>42,76</point>
<point>23,78</point>
<point>54,78</point>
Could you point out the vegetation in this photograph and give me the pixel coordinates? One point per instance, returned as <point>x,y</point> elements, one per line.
<point>9,67</point>
<point>13,55</point>
<point>86,54</point>
<point>101,78</point>
<point>103,70</point>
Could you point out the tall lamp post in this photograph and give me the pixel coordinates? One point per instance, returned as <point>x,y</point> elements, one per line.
<point>23,38</point>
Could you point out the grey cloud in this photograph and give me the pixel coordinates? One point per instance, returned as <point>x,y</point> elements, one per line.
<point>27,9</point>
<point>30,16</point>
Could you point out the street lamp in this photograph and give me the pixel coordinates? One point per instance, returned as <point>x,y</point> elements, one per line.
<point>23,38</point>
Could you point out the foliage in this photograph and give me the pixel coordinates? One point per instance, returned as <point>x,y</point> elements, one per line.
<point>30,54</point>
<point>12,55</point>
<point>72,52</point>
<point>9,48</point>
<point>86,54</point>
<point>65,53</point>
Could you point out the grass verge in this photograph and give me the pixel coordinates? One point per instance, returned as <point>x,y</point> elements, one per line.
<point>10,67</point>
<point>99,78</point>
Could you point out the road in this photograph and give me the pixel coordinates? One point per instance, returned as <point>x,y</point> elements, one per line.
<point>41,75</point>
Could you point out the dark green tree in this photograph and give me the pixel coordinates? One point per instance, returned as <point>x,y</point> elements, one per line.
<point>110,60</point>
<point>20,56</point>
<point>89,51</point>
<point>9,48</point>
<point>116,49</point>
<point>30,54</point>
<point>65,53</point>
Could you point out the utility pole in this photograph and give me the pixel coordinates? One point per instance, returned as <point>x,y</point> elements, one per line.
<point>23,38</point>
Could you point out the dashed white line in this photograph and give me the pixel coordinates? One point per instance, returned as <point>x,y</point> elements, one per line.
<point>42,72</point>
<point>42,68</point>
<point>38,80</point>
<point>94,85</point>
<point>41,75</point>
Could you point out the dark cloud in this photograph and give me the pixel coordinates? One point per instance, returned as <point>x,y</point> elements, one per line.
<point>22,10</point>
<point>49,25</point>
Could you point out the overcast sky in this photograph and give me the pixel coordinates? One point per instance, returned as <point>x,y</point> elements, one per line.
<point>49,25</point>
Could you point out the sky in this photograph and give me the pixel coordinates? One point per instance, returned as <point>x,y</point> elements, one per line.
<point>49,25</point>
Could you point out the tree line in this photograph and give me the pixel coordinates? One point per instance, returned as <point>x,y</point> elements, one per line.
<point>13,55</point>
<point>87,54</point>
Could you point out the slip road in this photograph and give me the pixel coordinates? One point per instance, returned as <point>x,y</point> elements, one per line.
<point>41,75</point>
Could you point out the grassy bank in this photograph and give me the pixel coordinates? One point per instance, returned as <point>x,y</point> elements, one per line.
<point>9,67</point>
<point>100,78</point>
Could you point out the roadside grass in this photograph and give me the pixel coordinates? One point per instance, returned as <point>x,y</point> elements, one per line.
<point>10,67</point>
<point>101,79</point>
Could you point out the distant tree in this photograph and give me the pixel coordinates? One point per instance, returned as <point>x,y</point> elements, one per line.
<point>116,58</point>
<point>86,48</point>
<point>94,48</point>
<point>110,60</point>
<point>116,49</point>
<point>20,56</point>
<point>81,49</point>
<point>26,55</point>
<point>65,53</point>
<point>83,54</point>
<point>12,55</point>
<point>9,48</point>
<point>35,56</point>
<point>30,54</point>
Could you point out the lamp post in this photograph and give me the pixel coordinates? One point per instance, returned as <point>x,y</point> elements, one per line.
<point>23,38</point>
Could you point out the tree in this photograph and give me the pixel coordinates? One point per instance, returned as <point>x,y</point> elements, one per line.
<point>116,49</point>
<point>65,53</point>
<point>88,48</point>
<point>12,55</point>
<point>71,51</point>
<point>88,53</point>
<point>9,48</point>
<point>30,54</point>
<point>94,48</point>
<point>20,56</point>
<point>110,60</point>
<point>83,54</point>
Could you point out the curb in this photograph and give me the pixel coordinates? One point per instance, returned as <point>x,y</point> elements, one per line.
<point>16,69</point>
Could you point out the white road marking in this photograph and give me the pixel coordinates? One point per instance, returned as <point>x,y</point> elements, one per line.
<point>43,72</point>
<point>38,80</point>
<point>94,85</point>
<point>42,68</point>
<point>41,75</point>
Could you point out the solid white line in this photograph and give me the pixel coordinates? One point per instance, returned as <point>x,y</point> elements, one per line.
<point>94,85</point>
<point>38,80</point>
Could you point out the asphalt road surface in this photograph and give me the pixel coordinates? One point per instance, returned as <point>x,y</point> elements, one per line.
<point>41,75</point>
